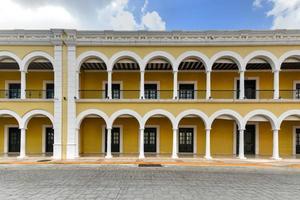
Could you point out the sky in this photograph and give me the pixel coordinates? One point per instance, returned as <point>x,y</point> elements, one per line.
<point>150,14</point>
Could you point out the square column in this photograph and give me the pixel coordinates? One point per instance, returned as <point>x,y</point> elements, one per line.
<point>175,144</point>
<point>207,145</point>
<point>77,135</point>
<point>275,155</point>
<point>241,144</point>
<point>108,144</point>
<point>142,85</point>
<point>109,84</point>
<point>175,82</point>
<point>23,85</point>
<point>276,84</point>
<point>242,85</point>
<point>142,154</point>
<point>208,85</point>
<point>23,144</point>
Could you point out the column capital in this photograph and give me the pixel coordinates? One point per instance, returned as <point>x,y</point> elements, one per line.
<point>242,71</point>
<point>276,70</point>
<point>175,129</point>
<point>276,129</point>
<point>208,71</point>
<point>208,129</point>
<point>242,129</point>
<point>141,129</point>
<point>176,71</point>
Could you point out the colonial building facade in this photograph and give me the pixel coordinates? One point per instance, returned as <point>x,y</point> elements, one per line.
<point>70,94</point>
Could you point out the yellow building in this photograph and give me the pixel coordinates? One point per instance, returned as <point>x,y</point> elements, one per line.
<point>71,93</point>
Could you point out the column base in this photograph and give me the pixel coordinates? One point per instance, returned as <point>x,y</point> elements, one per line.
<point>175,156</point>
<point>242,157</point>
<point>276,158</point>
<point>208,157</point>
<point>21,157</point>
<point>141,156</point>
<point>108,156</point>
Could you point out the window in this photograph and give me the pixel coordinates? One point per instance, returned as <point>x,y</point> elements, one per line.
<point>186,91</point>
<point>297,91</point>
<point>14,90</point>
<point>115,90</point>
<point>250,89</point>
<point>49,91</point>
<point>150,91</point>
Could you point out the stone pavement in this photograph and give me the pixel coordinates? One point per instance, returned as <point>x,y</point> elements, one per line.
<point>133,182</point>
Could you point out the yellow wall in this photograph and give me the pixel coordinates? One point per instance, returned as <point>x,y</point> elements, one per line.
<point>4,121</point>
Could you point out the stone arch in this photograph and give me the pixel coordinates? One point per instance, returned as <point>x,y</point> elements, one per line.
<point>165,113</point>
<point>266,55</point>
<point>194,112</point>
<point>159,54</point>
<point>90,54</point>
<point>265,113</point>
<point>124,54</point>
<point>119,113</point>
<point>288,55</point>
<point>195,54</point>
<point>13,114</point>
<point>26,118</point>
<point>286,114</point>
<point>228,54</point>
<point>236,116</point>
<point>33,55</point>
<point>12,56</point>
<point>88,112</point>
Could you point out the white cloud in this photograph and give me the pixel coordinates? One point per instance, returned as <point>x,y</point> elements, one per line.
<point>88,14</point>
<point>285,13</point>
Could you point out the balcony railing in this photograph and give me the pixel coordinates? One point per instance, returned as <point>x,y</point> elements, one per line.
<point>40,94</point>
<point>10,94</point>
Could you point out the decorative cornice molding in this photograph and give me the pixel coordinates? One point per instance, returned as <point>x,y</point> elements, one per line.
<point>148,38</point>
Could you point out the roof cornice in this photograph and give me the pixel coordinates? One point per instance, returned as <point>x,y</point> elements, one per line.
<point>148,38</point>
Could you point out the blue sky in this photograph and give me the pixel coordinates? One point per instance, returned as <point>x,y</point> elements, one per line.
<point>150,14</point>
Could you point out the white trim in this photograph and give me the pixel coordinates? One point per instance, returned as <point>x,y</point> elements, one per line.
<point>90,54</point>
<point>157,84</point>
<point>113,82</point>
<point>294,139</point>
<point>29,115</point>
<point>189,82</point>
<point>103,138</point>
<point>256,137</point>
<point>157,127</point>
<point>45,82</point>
<point>124,54</point>
<point>256,78</point>
<point>194,54</point>
<point>7,82</point>
<point>266,55</point>
<point>34,55</point>
<point>234,56</point>
<point>194,127</point>
<point>159,54</point>
<point>295,82</point>
<point>6,132</point>
<point>44,127</point>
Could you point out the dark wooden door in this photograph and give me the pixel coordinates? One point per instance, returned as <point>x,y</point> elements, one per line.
<point>150,91</point>
<point>186,140</point>
<point>115,91</point>
<point>150,135</point>
<point>186,91</point>
<point>115,140</point>
<point>297,141</point>
<point>14,139</point>
<point>49,91</point>
<point>250,89</point>
<point>14,91</point>
<point>249,140</point>
<point>49,140</point>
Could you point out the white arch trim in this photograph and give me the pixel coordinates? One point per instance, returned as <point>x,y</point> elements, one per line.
<point>159,54</point>
<point>12,56</point>
<point>165,113</point>
<point>266,55</point>
<point>88,112</point>
<point>194,112</point>
<point>195,54</point>
<point>228,54</point>
<point>124,54</point>
<point>13,114</point>
<point>288,55</point>
<point>119,113</point>
<point>33,55</point>
<point>90,54</point>
<point>236,116</point>
<point>265,113</point>
<point>26,118</point>
<point>286,114</point>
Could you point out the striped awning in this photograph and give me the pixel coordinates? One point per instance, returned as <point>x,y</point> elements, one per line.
<point>40,66</point>
<point>93,66</point>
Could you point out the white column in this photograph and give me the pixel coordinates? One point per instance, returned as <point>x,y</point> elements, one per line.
<point>108,144</point>
<point>242,85</point>
<point>77,143</point>
<point>207,145</point>
<point>142,154</point>
<point>175,144</point>
<point>275,155</point>
<point>23,85</point>
<point>77,84</point>
<point>23,144</point>
<point>276,84</point>
<point>208,85</point>
<point>175,89</point>
<point>109,84</point>
<point>57,126</point>
<point>142,85</point>
<point>241,144</point>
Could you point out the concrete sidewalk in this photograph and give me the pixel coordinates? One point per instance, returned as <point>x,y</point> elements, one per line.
<point>250,162</point>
